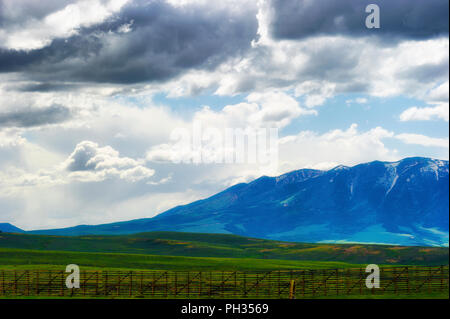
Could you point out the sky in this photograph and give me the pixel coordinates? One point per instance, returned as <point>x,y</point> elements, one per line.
<point>92,91</point>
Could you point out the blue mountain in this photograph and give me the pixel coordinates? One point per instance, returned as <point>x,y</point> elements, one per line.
<point>404,203</point>
<point>8,228</point>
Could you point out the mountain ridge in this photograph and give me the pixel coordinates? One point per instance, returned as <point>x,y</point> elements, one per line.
<point>403,202</point>
<point>9,228</point>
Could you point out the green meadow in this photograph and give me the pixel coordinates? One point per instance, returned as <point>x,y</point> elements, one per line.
<point>57,260</point>
<point>204,252</point>
<point>172,250</point>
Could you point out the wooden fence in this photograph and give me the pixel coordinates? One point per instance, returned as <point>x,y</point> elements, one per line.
<point>225,284</point>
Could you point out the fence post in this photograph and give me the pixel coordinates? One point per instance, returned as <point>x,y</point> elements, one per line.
<point>37,282</point>
<point>28,282</point>
<point>200,284</point>
<point>223,284</point>
<point>347,282</point>
<point>395,281</point>
<point>49,286</point>
<point>279,284</point>
<point>257,284</point>
<point>407,279</point>
<point>245,284</point>
<point>442,278</point>
<point>303,283</point>
<point>85,281</point>
<point>175,283</point>
<point>188,283</point>
<point>96,283</point>
<point>141,283</point>
<point>106,282</point>
<point>167,283</point>
<point>153,283</point>
<point>62,283</point>
<point>417,277</point>
<point>131,283</point>
<point>337,282</point>
<point>430,278</point>
<point>360,280</point>
<point>210,284</point>
<point>15,282</point>
<point>292,290</point>
<point>118,284</point>
<point>235,281</point>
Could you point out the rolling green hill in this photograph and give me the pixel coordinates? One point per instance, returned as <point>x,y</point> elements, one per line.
<point>205,245</point>
<point>57,260</point>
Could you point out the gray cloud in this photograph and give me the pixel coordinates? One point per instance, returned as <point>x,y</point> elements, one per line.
<point>163,42</point>
<point>428,72</point>
<point>414,19</point>
<point>29,117</point>
<point>45,87</point>
<point>325,66</point>
<point>24,86</point>
<point>14,12</point>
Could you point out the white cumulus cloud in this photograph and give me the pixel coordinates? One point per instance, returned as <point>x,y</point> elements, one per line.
<point>37,33</point>
<point>419,139</point>
<point>439,111</point>
<point>90,162</point>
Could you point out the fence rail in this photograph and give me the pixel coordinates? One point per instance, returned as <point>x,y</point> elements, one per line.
<point>225,284</point>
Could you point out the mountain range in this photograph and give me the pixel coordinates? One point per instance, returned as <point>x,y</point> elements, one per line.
<point>8,228</point>
<point>400,203</point>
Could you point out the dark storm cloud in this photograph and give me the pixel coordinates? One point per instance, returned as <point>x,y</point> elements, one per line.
<point>44,87</point>
<point>428,72</point>
<point>325,66</point>
<point>415,19</point>
<point>29,117</point>
<point>164,42</point>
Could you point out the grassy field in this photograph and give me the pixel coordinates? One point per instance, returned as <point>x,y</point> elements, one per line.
<point>57,260</point>
<point>171,251</point>
<point>223,246</point>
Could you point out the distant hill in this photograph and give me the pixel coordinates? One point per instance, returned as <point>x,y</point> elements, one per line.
<point>8,228</point>
<point>222,246</point>
<point>404,203</point>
